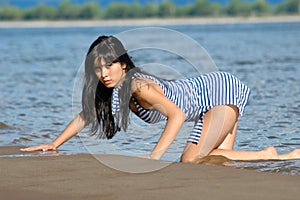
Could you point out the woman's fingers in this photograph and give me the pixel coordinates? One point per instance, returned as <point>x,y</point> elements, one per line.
<point>43,147</point>
<point>34,148</point>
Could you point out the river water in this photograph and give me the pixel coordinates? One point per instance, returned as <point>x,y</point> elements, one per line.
<point>39,70</point>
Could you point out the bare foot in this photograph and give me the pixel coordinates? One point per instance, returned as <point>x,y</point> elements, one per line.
<point>295,154</point>
<point>270,153</point>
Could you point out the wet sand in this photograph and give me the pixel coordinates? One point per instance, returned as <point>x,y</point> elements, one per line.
<point>84,177</point>
<point>149,22</point>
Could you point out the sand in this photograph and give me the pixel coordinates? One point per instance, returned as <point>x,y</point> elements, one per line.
<point>149,22</point>
<point>84,177</point>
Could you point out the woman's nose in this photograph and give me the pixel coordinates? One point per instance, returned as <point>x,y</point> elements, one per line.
<point>104,72</point>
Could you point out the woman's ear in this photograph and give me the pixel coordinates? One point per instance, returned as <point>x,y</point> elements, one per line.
<point>124,66</point>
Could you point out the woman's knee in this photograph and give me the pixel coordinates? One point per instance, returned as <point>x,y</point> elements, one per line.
<point>192,153</point>
<point>188,158</point>
<point>192,158</point>
<point>189,153</point>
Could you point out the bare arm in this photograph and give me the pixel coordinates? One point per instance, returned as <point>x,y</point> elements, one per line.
<point>172,128</point>
<point>75,126</point>
<point>151,96</point>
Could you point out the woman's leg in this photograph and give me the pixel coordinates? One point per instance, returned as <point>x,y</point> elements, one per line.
<point>217,138</point>
<point>226,149</point>
<point>228,142</point>
<point>217,123</point>
<point>295,154</point>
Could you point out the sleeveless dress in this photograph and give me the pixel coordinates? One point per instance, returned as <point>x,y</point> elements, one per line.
<point>194,96</point>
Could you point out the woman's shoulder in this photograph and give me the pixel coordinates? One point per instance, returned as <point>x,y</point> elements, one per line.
<point>143,77</point>
<point>140,82</point>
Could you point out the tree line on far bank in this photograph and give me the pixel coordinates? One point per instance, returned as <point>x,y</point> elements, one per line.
<point>68,11</point>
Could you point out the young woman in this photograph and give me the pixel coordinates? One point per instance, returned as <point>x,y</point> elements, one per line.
<point>114,86</point>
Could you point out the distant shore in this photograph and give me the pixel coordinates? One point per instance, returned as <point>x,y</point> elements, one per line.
<point>149,22</point>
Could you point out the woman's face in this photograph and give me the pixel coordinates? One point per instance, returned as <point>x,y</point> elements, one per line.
<point>110,74</point>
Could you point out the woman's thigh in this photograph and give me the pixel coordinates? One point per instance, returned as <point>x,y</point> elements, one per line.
<point>228,142</point>
<point>218,122</point>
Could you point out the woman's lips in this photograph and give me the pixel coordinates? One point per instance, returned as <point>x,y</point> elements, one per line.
<point>106,82</point>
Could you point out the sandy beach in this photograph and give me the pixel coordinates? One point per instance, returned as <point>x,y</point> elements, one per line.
<point>149,22</point>
<point>84,177</point>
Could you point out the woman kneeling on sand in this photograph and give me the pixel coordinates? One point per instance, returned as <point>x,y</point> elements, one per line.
<point>114,86</point>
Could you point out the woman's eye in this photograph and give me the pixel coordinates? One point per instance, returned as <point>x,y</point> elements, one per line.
<point>97,70</point>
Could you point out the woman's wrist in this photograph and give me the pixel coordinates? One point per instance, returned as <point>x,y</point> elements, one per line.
<point>55,146</point>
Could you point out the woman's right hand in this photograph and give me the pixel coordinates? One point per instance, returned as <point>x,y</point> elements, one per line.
<point>76,125</point>
<point>42,147</point>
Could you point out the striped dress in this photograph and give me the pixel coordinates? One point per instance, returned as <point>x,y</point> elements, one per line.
<point>194,96</point>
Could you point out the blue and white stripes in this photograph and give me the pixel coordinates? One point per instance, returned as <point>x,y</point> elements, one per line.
<point>225,88</point>
<point>195,96</point>
<point>115,102</point>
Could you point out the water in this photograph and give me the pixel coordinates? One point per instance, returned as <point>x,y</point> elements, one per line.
<point>38,67</point>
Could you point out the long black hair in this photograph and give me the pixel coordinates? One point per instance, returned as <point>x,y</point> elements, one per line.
<point>96,98</point>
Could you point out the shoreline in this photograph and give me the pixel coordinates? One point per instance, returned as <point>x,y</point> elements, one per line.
<point>149,22</point>
<point>82,176</point>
